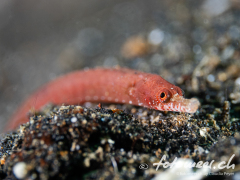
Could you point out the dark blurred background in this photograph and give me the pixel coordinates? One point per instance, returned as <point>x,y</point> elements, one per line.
<point>40,40</point>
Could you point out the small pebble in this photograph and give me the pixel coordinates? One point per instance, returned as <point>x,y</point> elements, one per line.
<point>20,170</point>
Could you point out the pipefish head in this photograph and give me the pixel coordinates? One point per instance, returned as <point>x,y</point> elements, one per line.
<point>172,99</point>
<point>156,93</point>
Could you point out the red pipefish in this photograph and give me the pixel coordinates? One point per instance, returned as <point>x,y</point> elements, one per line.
<point>116,85</point>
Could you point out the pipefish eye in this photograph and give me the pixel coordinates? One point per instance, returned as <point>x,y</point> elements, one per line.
<point>163,95</point>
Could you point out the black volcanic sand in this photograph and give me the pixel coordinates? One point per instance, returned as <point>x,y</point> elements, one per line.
<point>73,142</point>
